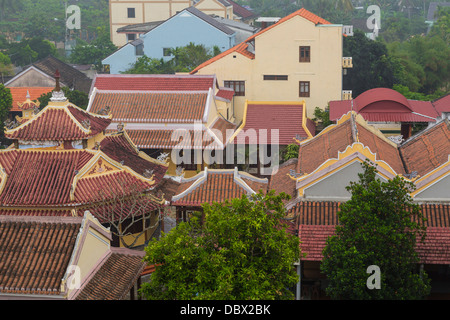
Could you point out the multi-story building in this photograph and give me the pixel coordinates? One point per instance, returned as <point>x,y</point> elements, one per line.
<point>298,58</point>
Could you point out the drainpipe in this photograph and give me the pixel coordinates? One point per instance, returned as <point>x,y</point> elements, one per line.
<point>299,272</point>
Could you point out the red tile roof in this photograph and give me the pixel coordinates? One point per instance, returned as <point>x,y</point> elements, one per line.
<point>287,119</point>
<point>442,104</point>
<point>151,106</point>
<point>35,255</point>
<point>153,82</point>
<point>316,222</point>
<point>19,94</point>
<point>385,105</point>
<point>240,48</point>
<point>225,93</point>
<point>281,182</point>
<point>428,149</point>
<point>40,177</point>
<point>336,138</point>
<point>241,11</point>
<point>59,124</point>
<point>301,13</point>
<point>216,186</point>
<point>115,276</point>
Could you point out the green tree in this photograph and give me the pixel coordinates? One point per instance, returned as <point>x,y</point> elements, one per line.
<point>94,52</point>
<point>290,152</point>
<point>5,105</point>
<point>379,226</point>
<point>78,98</point>
<point>372,67</point>
<point>241,251</point>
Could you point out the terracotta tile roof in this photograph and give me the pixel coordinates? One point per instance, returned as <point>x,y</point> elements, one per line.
<point>428,149</point>
<point>151,106</point>
<point>216,186</point>
<point>281,182</point>
<point>153,82</point>
<point>239,48</point>
<point>35,255</point>
<point>19,94</point>
<point>48,175</point>
<point>385,150</point>
<point>35,212</point>
<point>115,276</point>
<point>385,105</point>
<point>162,139</point>
<point>302,13</point>
<point>287,118</point>
<point>336,138</point>
<point>313,240</point>
<point>436,247</point>
<point>316,221</point>
<point>119,148</point>
<point>59,124</point>
<point>442,104</point>
<point>324,146</point>
<point>225,93</point>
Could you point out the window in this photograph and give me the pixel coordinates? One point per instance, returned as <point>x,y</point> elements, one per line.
<point>304,89</point>
<point>166,52</point>
<point>305,54</point>
<point>237,86</point>
<point>131,36</point>
<point>140,49</point>
<point>275,77</point>
<point>131,13</point>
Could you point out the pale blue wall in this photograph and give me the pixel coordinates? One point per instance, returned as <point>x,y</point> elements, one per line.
<point>177,31</point>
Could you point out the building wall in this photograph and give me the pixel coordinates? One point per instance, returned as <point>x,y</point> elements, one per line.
<point>32,78</point>
<point>277,53</point>
<point>155,10</point>
<point>183,29</point>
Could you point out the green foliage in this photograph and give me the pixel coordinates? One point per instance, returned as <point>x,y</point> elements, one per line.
<point>78,98</point>
<point>241,251</point>
<point>5,105</point>
<point>31,50</point>
<point>290,152</point>
<point>185,59</point>
<point>416,95</point>
<point>380,225</point>
<point>94,52</point>
<point>322,116</point>
<point>372,68</point>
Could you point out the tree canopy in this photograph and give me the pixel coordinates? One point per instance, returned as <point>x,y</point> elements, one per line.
<point>379,226</point>
<point>241,251</point>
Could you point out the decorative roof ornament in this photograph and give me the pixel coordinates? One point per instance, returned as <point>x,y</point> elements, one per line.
<point>163,157</point>
<point>86,123</point>
<point>57,93</point>
<point>120,127</point>
<point>396,139</point>
<point>179,171</point>
<point>10,124</point>
<point>28,104</point>
<point>148,174</point>
<point>104,111</point>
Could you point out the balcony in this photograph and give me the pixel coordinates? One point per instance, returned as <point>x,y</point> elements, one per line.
<point>347,62</point>
<point>347,95</point>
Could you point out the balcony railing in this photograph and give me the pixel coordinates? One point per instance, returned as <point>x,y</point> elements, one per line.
<point>347,95</point>
<point>347,62</point>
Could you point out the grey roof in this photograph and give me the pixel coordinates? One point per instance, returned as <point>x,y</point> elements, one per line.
<point>236,24</point>
<point>434,7</point>
<point>210,20</point>
<point>140,27</point>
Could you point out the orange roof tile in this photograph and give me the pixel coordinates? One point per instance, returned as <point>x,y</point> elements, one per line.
<point>151,106</point>
<point>216,186</point>
<point>239,48</point>
<point>59,124</point>
<point>24,268</point>
<point>301,12</point>
<point>428,149</point>
<point>19,94</point>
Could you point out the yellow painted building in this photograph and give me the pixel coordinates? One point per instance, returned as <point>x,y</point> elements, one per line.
<point>127,12</point>
<point>298,58</point>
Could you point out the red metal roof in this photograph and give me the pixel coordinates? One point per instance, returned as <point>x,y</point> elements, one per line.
<point>287,119</point>
<point>153,82</point>
<point>442,104</point>
<point>383,104</point>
